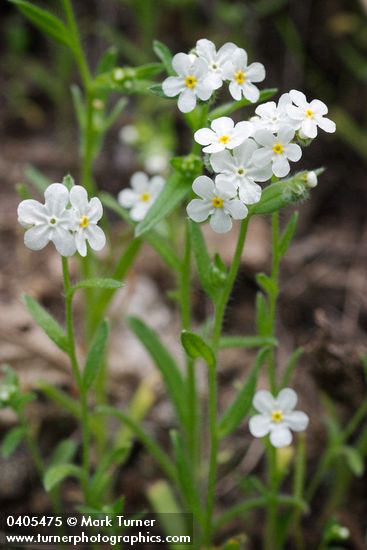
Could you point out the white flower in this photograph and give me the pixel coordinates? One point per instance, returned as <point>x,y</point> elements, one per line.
<point>142,195</point>
<point>309,115</point>
<point>157,162</point>
<point>191,82</point>
<point>220,203</point>
<point>215,59</point>
<point>277,417</point>
<point>7,391</point>
<point>223,135</point>
<point>84,217</point>
<point>49,221</point>
<point>242,76</point>
<point>129,134</point>
<point>276,150</point>
<point>239,170</point>
<point>272,116</point>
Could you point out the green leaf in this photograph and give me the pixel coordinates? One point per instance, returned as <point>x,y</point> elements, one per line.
<point>79,106</point>
<point>266,283</point>
<point>108,60</point>
<point>68,181</point>
<point>11,441</point>
<point>165,363</point>
<point>45,21</point>
<point>115,112</point>
<point>353,458</point>
<point>164,54</point>
<point>173,193</point>
<point>98,283</point>
<point>157,90</point>
<point>246,342</point>
<point>202,259</point>
<point>37,179</point>
<point>228,108</point>
<point>64,452</point>
<point>186,479</point>
<point>196,348</point>
<point>148,70</point>
<point>292,363</point>
<point>50,326</point>
<point>241,406</point>
<point>95,355</point>
<point>60,398</point>
<point>56,474</point>
<point>261,314</point>
<point>288,233</point>
<point>23,191</point>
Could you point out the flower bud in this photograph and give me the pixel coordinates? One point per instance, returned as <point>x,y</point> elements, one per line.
<point>311,179</point>
<point>284,457</point>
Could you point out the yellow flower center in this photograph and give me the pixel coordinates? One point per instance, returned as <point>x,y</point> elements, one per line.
<point>309,113</point>
<point>240,77</point>
<point>278,148</point>
<point>190,81</point>
<point>53,221</point>
<point>145,197</point>
<point>224,139</point>
<point>217,202</point>
<point>277,416</point>
<point>84,222</point>
<point>240,171</point>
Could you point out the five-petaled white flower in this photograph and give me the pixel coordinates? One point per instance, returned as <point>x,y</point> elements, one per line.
<point>242,76</point>
<point>309,116</point>
<point>84,218</point>
<point>224,134</point>
<point>276,149</point>
<point>142,195</point>
<point>271,116</point>
<point>49,221</point>
<point>277,417</point>
<point>215,59</point>
<point>191,82</point>
<point>220,203</point>
<point>239,170</point>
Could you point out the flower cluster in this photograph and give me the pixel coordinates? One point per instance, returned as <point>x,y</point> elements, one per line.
<point>142,195</point>
<point>205,69</point>
<point>277,417</point>
<point>67,218</point>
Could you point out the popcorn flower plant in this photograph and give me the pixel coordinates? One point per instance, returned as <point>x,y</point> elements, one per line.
<point>243,172</point>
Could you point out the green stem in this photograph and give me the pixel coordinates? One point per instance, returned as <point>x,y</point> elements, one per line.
<point>273,297</point>
<point>271,511</point>
<point>77,376</point>
<point>298,488</point>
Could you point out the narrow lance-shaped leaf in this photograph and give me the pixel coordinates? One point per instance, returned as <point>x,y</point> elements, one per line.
<point>56,474</point>
<point>196,348</point>
<point>165,363</point>
<point>98,283</point>
<point>44,20</point>
<point>202,259</point>
<point>51,327</point>
<point>11,441</point>
<point>95,355</point>
<point>246,342</point>
<point>164,53</point>
<point>243,401</point>
<point>288,233</point>
<point>228,108</point>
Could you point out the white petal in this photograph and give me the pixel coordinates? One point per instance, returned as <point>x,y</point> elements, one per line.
<point>236,209</point>
<point>181,63</point>
<point>220,222</point>
<point>206,49</point>
<point>199,68</point>
<point>286,400</point>
<point>318,107</point>
<point>226,51</point>
<point>297,420</point>
<point>215,147</point>
<point>263,401</point>
<point>139,182</point>
<point>186,101</point>
<point>285,134</point>
<point>95,209</point>
<point>139,211</point>
<point>235,90</point>
<point>204,187</point>
<point>295,112</point>
<point>127,198</point>
<point>259,173</point>
<point>213,81</point>
<point>204,136</point>
<point>223,162</point>
<point>31,212</point>
<point>284,100</point>
<point>250,92</point>
<point>243,153</point>
<point>198,210</point>
<point>228,70</point>
<point>280,166</point>
<point>222,125</point>
<point>327,125</point>
<point>255,72</point>
<point>37,237</point>
<point>79,198</point>
<point>242,131</point>
<point>56,198</point>
<point>240,58</point>
<point>259,425</point>
<point>309,128</point>
<point>63,240</point>
<point>96,237</point>
<point>205,89</point>
<point>156,185</point>
<point>266,110</point>
<point>249,192</point>
<point>280,436</point>
<point>264,137</point>
<point>80,242</point>
<point>225,188</point>
<point>262,157</point>
<point>298,98</point>
<point>293,152</point>
<point>173,85</point>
